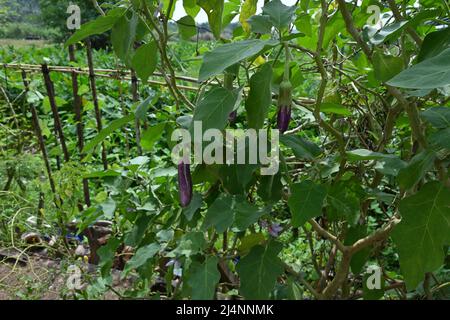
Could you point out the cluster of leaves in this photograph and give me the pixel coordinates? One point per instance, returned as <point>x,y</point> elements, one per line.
<point>364,163</point>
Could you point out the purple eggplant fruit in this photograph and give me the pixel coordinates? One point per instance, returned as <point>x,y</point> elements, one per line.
<point>185,183</point>
<point>284,106</point>
<point>283,118</point>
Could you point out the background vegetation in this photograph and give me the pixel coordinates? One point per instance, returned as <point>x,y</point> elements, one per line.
<point>364,170</point>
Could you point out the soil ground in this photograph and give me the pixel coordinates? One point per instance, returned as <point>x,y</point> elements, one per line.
<point>40,278</point>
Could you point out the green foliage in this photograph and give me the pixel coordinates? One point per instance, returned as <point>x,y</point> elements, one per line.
<point>214,108</point>
<point>116,124</point>
<point>363,168</point>
<point>187,27</point>
<point>423,232</point>
<point>428,74</point>
<point>260,97</point>
<point>259,271</point>
<point>306,202</point>
<point>279,15</point>
<point>227,55</point>
<point>214,11</point>
<point>204,279</point>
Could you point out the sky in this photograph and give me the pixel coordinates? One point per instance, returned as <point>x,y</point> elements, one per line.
<point>201,17</point>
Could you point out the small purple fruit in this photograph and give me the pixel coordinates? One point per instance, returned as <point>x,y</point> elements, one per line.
<point>284,106</point>
<point>185,183</point>
<point>283,118</point>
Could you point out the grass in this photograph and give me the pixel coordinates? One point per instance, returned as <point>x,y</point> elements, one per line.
<point>20,43</point>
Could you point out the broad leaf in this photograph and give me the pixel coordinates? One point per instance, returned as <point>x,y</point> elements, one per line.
<point>246,214</point>
<point>438,117</point>
<point>214,108</point>
<point>248,9</point>
<point>214,11</point>
<point>235,178</point>
<point>142,108</point>
<point>134,237</point>
<point>107,254</point>
<point>103,134</point>
<point>152,135</point>
<point>334,26</point>
<point>98,26</point>
<point>227,210</point>
<point>249,241</point>
<point>191,7</point>
<point>230,11</point>
<point>386,66</point>
<point>423,232</point>
<point>335,108</point>
<point>260,24</point>
<point>434,43</point>
<point>225,56</point>
<point>260,97</point>
<point>302,148</point>
<point>428,74</point>
<point>204,279</point>
<point>108,207</point>
<point>306,202</point>
<point>259,271</point>
<point>343,203</point>
<point>419,165</point>
<point>280,15</point>
<point>141,256</point>
<point>441,138</point>
<point>220,214</point>
<point>145,60</point>
<point>187,27</point>
<point>122,37</point>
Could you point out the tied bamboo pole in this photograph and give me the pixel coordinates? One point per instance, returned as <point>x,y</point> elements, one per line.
<point>51,96</point>
<point>109,74</point>
<point>98,115</point>
<point>137,123</point>
<point>40,137</point>
<point>77,106</point>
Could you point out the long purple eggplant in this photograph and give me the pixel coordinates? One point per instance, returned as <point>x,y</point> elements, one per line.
<point>185,183</point>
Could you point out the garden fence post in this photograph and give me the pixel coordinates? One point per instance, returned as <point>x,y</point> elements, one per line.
<point>77,106</point>
<point>40,138</point>
<point>98,115</point>
<point>51,97</point>
<point>137,124</point>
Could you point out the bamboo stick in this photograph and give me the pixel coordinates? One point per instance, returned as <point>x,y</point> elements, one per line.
<point>137,124</point>
<point>98,115</point>
<point>86,70</point>
<point>77,106</point>
<point>51,96</point>
<point>40,138</point>
<point>120,74</point>
<point>103,73</point>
